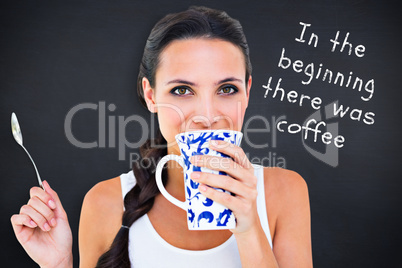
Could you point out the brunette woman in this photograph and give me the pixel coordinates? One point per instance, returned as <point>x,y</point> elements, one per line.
<point>195,74</point>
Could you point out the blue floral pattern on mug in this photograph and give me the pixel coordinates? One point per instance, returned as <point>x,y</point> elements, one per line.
<point>202,212</point>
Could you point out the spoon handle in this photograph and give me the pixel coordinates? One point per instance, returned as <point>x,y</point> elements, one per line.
<point>37,173</point>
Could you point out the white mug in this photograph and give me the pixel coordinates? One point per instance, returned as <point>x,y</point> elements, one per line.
<point>202,212</point>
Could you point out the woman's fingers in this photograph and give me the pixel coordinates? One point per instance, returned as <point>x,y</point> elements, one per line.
<point>236,165</point>
<point>224,182</point>
<point>232,150</point>
<point>39,211</point>
<point>240,181</point>
<point>226,165</point>
<point>39,219</point>
<point>58,210</point>
<point>238,201</point>
<point>239,205</point>
<point>33,227</point>
<point>43,209</point>
<point>222,198</point>
<point>44,196</point>
<point>23,227</point>
<point>22,220</point>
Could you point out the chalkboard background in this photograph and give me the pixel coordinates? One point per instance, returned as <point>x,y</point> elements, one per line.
<point>55,56</point>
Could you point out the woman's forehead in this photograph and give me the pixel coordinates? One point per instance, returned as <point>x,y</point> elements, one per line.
<point>198,57</point>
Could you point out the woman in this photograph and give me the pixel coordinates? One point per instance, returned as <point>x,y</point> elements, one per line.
<point>195,74</point>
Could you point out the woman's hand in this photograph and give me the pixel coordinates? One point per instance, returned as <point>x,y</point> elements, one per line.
<point>43,230</point>
<point>241,182</point>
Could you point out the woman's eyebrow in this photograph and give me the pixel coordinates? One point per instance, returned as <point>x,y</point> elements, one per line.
<point>229,79</point>
<point>181,81</point>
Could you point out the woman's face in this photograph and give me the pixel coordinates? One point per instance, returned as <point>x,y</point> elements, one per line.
<point>199,84</point>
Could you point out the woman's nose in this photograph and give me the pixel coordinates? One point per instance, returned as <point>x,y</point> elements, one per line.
<point>205,114</point>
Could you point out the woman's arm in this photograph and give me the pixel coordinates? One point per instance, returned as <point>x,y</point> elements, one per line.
<point>292,237</point>
<point>286,194</point>
<point>100,220</point>
<point>254,249</point>
<point>252,243</point>
<point>291,243</point>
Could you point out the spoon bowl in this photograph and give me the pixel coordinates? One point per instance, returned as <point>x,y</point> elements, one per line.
<point>16,130</point>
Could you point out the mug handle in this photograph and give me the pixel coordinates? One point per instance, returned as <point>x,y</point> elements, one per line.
<point>158,177</point>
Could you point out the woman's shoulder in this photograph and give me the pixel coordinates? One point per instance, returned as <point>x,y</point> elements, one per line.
<point>283,181</point>
<point>101,214</point>
<point>286,192</point>
<point>105,194</point>
<point>288,209</point>
<point>104,200</point>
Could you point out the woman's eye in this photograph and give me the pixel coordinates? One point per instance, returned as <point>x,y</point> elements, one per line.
<point>181,91</point>
<point>227,90</point>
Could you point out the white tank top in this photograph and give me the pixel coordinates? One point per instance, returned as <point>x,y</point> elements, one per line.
<point>148,249</point>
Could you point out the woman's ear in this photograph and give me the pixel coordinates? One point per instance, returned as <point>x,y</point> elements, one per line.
<point>149,95</point>
<point>249,82</point>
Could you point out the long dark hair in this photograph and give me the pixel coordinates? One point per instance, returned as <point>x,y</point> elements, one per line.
<point>196,22</point>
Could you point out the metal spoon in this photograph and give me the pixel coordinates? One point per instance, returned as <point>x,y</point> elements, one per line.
<point>15,128</point>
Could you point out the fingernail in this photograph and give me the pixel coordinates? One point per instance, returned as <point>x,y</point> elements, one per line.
<point>53,222</point>
<point>212,143</point>
<point>195,175</point>
<point>194,158</point>
<point>202,188</point>
<point>46,227</point>
<point>33,224</point>
<point>52,204</point>
<point>216,142</point>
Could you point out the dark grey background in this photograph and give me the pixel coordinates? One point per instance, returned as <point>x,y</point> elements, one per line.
<point>54,56</point>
